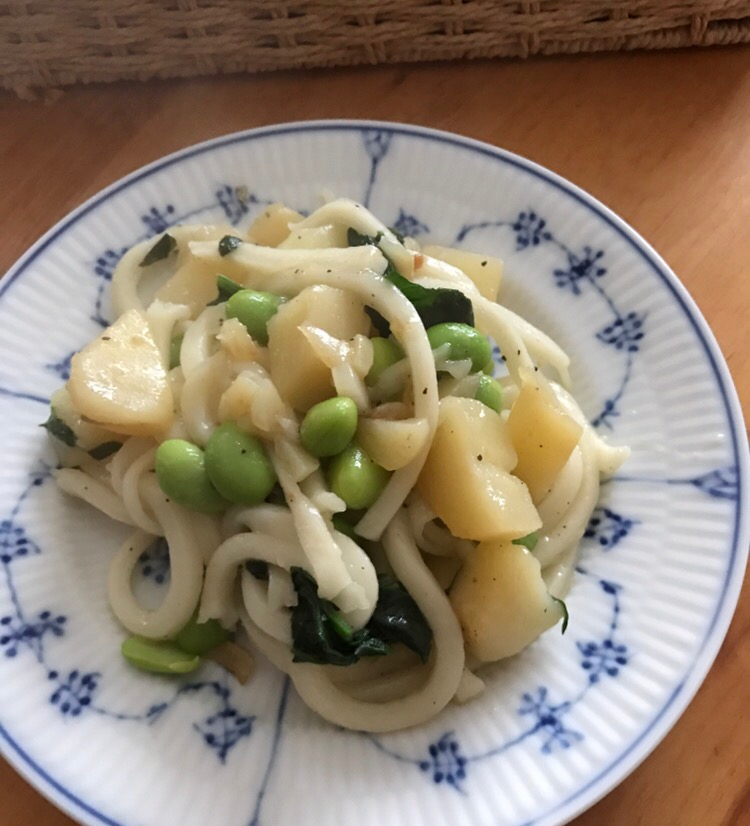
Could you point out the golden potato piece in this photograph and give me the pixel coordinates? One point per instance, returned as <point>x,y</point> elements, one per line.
<point>501,601</point>
<point>119,380</point>
<point>271,227</point>
<point>543,435</point>
<point>392,444</point>
<point>466,479</point>
<point>485,271</point>
<point>300,376</point>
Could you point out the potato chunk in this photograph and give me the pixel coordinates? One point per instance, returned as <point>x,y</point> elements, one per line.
<point>543,434</point>
<point>466,479</point>
<point>501,600</point>
<point>119,380</point>
<point>271,227</point>
<point>392,444</point>
<point>299,374</point>
<point>485,271</point>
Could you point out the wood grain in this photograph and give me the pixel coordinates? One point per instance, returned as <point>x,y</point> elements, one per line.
<point>663,139</point>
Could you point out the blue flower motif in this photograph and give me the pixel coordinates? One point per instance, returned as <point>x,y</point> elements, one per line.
<point>234,201</point>
<point>154,562</point>
<point>580,267</point>
<point>530,230</point>
<point>74,693</point>
<point>608,528</point>
<point>602,658</point>
<point>377,143</point>
<point>105,264</point>
<point>624,332</point>
<point>721,484</point>
<point>14,541</point>
<point>446,763</point>
<point>549,720</point>
<point>157,220</point>
<point>15,632</point>
<point>407,224</point>
<point>62,367</point>
<point>223,730</point>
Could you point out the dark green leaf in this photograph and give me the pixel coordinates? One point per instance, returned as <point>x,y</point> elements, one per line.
<point>338,624</point>
<point>229,243</point>
<point>104,450</point>
<point>435,306</point>
<point>566,615</point>
<point>378,322</point>
<point>57,428</point>
<point>164,247</point>
<point>258,569</point>
<point>397,618</point>
<point>529,541</point>
<point>320,634</point>
<point>226,287</point>
<point>357,239</point>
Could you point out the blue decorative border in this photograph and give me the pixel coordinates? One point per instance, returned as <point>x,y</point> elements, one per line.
<point>377,139</point>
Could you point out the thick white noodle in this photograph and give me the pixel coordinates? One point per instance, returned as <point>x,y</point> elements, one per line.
<point>186,572</point>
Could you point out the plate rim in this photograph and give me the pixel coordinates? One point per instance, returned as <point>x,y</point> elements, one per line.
<point>621,766</point>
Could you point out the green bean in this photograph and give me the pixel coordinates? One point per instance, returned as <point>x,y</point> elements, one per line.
<point>160,657</point>
<point>490,392</point>
<point>181,473</point>
<point>237,465</point>
<point>200,637</point>
<point>385,352</point>
<point>329,426</point>
<point>354,477</point>
<point>254,309</point>
<point>174,351</point>
<point>464,342</point>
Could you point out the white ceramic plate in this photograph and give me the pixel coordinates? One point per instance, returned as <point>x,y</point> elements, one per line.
<point>560,725</point>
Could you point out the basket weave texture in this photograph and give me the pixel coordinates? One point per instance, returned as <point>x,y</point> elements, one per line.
<point>51,43</point>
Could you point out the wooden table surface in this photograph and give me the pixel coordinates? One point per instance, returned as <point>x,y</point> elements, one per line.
<point>663,139</point>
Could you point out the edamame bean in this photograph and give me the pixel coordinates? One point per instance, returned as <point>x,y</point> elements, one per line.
<point>490,392</point>
<point>198,638</point>
<point>385,352</point>
<point>254,309</point>
<point>464,342</point>
<point>174,351</point>
<point>354,477</point>
<point>237,465</point>
<point>181,473</point>
<point>329,426</point>
<point>160,657</point>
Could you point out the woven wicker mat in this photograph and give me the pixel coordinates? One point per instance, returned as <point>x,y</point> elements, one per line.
<point>52,43</point>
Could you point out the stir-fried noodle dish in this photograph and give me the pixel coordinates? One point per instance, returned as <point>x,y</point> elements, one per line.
<point>309,416</point>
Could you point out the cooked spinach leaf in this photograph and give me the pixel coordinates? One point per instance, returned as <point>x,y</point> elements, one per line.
<point>228,243</point>
<point>104,450</point>
<point>397,618</point>
<point>566,615</point>
<point>322,635</point>
<point>57,428</point>
<point>435,306</point>
<point>164,247</point>
<point>226,287</point>
<point>258,569</point>
<point>378,322</point>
